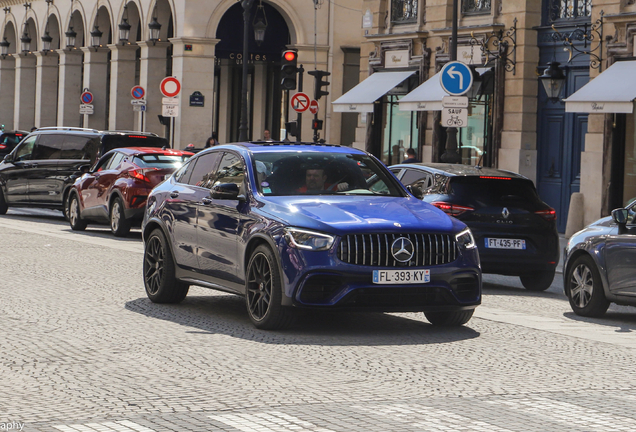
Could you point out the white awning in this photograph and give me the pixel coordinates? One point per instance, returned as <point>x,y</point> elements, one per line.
<point>361,97</point>
<point>427,97</point>
<point>613,91</point>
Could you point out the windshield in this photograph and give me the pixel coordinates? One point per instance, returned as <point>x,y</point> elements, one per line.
<point>322,173</point>
<point>160,161</point>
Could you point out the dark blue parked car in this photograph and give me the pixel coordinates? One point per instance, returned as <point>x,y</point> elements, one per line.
<point>291,226</point>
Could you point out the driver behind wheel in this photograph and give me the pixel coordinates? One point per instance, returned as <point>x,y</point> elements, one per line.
<point>316,181</point>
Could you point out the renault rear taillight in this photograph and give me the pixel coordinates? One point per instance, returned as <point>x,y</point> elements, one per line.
<point>452,209</point>
<point>549,214</point>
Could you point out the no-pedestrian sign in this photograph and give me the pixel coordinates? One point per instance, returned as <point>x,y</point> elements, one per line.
<point>300,102</point>
<point>170,87</point>
<point>138,92</point>
<point>86,97</point>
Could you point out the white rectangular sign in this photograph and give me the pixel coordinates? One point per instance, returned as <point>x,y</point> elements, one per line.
<point>397,58</point>
<point>455,102</point>
<point>138,102</point>
<point>454,117</point>
<point>86,109</point>
<point>170,101</point>
<point>170,110</point>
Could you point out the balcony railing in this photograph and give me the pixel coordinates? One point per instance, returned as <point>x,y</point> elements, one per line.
<point>569,9</point>
<point>404,11</point>
<point>476,7</point>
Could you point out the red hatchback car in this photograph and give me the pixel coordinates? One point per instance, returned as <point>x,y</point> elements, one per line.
<point>115,189</point>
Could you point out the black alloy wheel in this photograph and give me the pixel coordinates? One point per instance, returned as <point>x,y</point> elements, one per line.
<point>74,215</point>
<point>585,289</point>
<point>3,204</point>
<point>160,281</point>
<point>449,318</point>
<point>263,292</point>
<point>119,225</point>
<point>540,281</point>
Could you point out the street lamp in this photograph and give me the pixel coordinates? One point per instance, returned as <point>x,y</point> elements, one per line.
<point>96,37</point>
<point>154,27</point>
<point>70,37</point>
<point>247,7</point>
<point>4,48</point>
<point>25,40</point>
<point>260,24</point>
<point>553,80</point>
<point>451,155</point>
<point>124,27</point>
<point>46,42</point>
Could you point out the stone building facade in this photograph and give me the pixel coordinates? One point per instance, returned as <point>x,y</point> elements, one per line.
<point>200,42</point>
<point>512,123</point>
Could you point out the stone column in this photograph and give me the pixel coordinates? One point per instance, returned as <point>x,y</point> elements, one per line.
<point>46,88</point>
<point>152,71</point>
<point>195,69</point>
<point>225,104</point>
<point>69,87</point>
<point>95,80</point>
<point>122,80</point>
<point>24,106</point>
<point>259,97</point>
<point>7,91</point>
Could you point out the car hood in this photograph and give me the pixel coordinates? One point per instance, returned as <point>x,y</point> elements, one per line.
<point>346,214</point>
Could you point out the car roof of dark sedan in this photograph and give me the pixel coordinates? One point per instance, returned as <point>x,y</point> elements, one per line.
<point>269,146</point>
<point>461,170</point>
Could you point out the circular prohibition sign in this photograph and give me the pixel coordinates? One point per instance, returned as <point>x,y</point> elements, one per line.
<point>300,102</point>
<point>86,97</point>
<point>138,92</point>
<point>170,87</point>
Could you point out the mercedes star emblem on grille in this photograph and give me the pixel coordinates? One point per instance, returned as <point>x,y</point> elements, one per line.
<point>505,213</point>
<point>402,249</point>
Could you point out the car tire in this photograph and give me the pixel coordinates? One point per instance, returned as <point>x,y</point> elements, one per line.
<point>160,281</point>
<point>449,318</point>
<point>540,281</point>
<point>263,292</point>
<point>3,204</point>
<point>119,225</point>
<point>585,289</point>
<point>74,214</point>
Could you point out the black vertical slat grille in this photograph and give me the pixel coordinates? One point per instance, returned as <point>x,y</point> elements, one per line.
<point>375,250</point>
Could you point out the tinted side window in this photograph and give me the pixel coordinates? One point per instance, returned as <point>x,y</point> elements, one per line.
<point>25,149</point>
<point>231,170</point>
<point>78,147</point>
<point>49,146</point>
<point>411,176</point>
<point>115,160</point>
<point>183,173</point>
<point>204,170</point>
<point>103,163</point>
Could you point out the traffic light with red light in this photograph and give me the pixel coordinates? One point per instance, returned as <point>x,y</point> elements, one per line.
<point>319,83</point>
<point>316,124</point>
<point>289,69</point>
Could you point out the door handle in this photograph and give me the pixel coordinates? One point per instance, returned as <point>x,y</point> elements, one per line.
<point>206,201</point>
<point>174,194</point>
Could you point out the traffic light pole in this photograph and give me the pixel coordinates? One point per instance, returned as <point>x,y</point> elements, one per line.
<point>299,116</point>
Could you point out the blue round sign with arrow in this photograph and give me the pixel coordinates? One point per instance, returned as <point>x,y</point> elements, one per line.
<point>456,78</point>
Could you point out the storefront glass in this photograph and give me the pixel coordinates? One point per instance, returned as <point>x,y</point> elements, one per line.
<point>475,137</point>
<point>400,131</point>
<point>629,178</point>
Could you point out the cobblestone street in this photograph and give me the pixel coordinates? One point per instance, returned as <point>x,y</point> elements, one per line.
<point>83,349</point>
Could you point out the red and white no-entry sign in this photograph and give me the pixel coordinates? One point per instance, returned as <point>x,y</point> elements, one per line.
<point>170,87</point>
<point>300,102</point>
<point>313,106</point>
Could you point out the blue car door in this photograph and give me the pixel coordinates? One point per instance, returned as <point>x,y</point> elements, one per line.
<point>219,224</point>
<point>185,195</point>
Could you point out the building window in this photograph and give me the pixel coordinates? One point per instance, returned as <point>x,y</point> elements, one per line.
<point>569,9</point>
<point>474,7</point>
<point>403,11</point>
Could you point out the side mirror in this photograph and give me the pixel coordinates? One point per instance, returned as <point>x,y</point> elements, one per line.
<point>416,191</point>
<point>620,216</point>
<point>8,158</point>
<point>84,168</point>
<point>226,191</point>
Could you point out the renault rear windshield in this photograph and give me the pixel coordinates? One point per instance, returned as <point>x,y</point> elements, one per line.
<point>117,141</point>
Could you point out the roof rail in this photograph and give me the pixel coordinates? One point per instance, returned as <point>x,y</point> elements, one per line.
<point>131,132</point>
<point>292,143</point>
<point>69,128</point>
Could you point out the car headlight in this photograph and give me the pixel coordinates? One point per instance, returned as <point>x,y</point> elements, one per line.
<point>308,240</point>
<point>465,239</point>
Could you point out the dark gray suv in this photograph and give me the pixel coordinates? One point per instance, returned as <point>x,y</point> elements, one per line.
<point>42,167</point>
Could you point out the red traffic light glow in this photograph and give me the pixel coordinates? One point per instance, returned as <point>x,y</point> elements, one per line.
<point>289,55</point>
